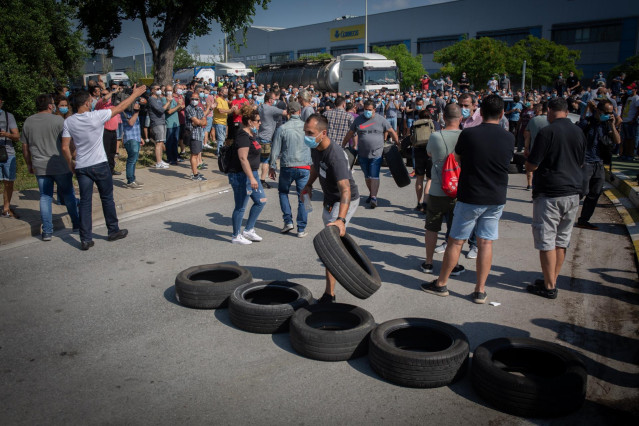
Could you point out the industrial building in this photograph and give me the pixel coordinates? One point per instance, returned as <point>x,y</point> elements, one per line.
<point>606,33</point>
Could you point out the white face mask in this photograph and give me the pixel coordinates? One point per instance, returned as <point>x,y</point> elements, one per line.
<point>169,94</point>
<point>158,92</point>
<point>180,91</point>
<point>194,102</point>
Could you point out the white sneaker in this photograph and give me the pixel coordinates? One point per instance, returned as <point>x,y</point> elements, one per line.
<point>302,234</point>
<point>240,240</point>
<point>441,248</point>
<point>164,162</point>
<point>161,166</point>
<point>251,235</point>
<point>472,253</point>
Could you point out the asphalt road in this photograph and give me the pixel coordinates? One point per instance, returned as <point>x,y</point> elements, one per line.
<point>97,337</point>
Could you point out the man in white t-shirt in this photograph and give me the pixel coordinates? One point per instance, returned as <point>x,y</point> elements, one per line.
<point>85,128</point>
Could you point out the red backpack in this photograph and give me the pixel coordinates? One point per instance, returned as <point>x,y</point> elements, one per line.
<point>450,173</point>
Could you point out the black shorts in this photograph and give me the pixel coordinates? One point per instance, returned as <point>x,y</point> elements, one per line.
<point>195,146</point>
<point>423,163</point>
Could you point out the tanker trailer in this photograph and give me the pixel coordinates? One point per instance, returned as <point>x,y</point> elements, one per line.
<point>351,72</point>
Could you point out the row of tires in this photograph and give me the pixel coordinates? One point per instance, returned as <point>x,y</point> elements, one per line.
<point>524,377</point>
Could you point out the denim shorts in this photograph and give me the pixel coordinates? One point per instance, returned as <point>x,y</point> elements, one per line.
<point>370,167</point>
<point>8,170</point>
<point>466,216</point>
<point>209,124</point>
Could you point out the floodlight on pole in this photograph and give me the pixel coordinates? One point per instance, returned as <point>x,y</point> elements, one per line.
<point>143,52</point>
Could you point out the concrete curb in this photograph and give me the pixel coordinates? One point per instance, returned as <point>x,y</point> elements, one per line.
<point>125,208</point>
<point>629,214</point>
<point>624,184</point>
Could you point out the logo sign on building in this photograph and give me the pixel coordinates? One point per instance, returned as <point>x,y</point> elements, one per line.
<point>347,33</point>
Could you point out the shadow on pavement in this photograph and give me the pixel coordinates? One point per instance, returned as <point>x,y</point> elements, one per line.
<point>169,295</point>
<point>283,341</point>
<point>607,277</point>
<point>384,225</point>
<point>271,274</point>
<point>194,230</point>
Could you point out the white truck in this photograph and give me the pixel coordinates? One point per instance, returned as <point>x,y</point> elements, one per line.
<point>351,72</point>
<point>117,78</point>
<point>232,70</point>
<point>186,75</point>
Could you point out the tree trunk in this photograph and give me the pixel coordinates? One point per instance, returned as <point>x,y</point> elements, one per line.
<point>163,63</point>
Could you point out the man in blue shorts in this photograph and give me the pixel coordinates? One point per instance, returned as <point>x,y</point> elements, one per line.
<point>369,130</point>
<point>484,153</point>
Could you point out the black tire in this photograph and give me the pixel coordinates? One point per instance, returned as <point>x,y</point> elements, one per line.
<point>266,307</point>
<point>347,262</point>
<point>418,352</point>
<point>396,166</point>
<point>529,377</point>
<point>209,286</point>
<point>331,331</point>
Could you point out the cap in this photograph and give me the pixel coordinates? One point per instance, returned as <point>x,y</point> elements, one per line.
<point>294,106</point>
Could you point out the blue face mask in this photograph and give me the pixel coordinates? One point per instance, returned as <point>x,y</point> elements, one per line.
<point>368,113</point>
<point>240,95</point>
<point>629,92</point>
<point>249,96</point>
<point>446,97</point>
<point>465,112</point>
<point>528,104</point>
<point>311,141</point>
<point>64,110</point>
<point>54,108</point>
<point>93,104</point>
<point>419,107</point>
<point>254,130</point>
<point>67,93</point>
<point>604,117</point>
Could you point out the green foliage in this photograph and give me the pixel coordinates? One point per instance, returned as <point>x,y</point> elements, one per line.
<point>478,58</point>
<point>481,58</point>
<point>411,66</point>
<point>183,59</point>
<point>319,57</point>
<point>175,22</point>
<point>630,67</point>
<point>545,59</point>
<point>39,49</point>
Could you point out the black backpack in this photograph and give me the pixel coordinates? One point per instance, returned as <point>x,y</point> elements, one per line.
<point>225,157</point>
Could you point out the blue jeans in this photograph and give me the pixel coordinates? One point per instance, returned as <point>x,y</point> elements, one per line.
<point>172,137</point>
<point>393,122</point>
<point>65,187</point>
<point>371,167</point>
<point>220,135</point>
<point>132,153</point>
<point>482,219</point>
<point>409,122</point>
<point>100,174</point>
<point>288,175</point>
<point>242,191</point>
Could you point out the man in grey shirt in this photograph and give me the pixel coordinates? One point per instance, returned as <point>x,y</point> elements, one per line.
<point>41,145</point>
<point>369,130</point>
<point>157,108</point>
<point>8,136</point>
<point>270,116</point>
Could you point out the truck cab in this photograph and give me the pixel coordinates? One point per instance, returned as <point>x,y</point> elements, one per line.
<point>367,71</point>
<point>118,78</point>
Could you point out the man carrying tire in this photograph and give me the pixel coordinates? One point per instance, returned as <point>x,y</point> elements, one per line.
<point>341,196</point>
<point>369,130</point>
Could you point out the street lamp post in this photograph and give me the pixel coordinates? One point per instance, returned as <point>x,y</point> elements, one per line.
<point>143,52</point>
<point>366,29</point>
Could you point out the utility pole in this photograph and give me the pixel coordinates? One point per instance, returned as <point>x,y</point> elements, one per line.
<point>523,78</point>
<point>143,53</point>
<point>226,49</point>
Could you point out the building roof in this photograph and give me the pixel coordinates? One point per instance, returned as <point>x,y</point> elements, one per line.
<point>257,27</point>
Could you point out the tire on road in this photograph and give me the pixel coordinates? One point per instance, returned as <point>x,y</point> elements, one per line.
<point>347,262</point>
<point>396,166</point>
<point>266,307</point>
<point>331,331</point>
<point>529,377</point>
<point>209,286</point>
<point>418,352</point>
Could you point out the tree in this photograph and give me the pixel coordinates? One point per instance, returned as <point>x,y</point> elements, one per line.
<point>478,58</point>
<point>411,66</point>
<point>630,67</point>
<point>183,59</point>
<point>545,59</point>
<point>39,49</point>
<point>318,57</point>
<point>173,22</point>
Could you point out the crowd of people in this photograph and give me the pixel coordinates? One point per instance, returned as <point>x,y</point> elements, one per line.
<point>303,134</point>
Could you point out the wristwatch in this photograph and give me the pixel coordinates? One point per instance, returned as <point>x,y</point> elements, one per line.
<point>342,219</point>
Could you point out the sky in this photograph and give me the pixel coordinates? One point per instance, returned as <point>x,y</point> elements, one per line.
<point>280,13</point>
